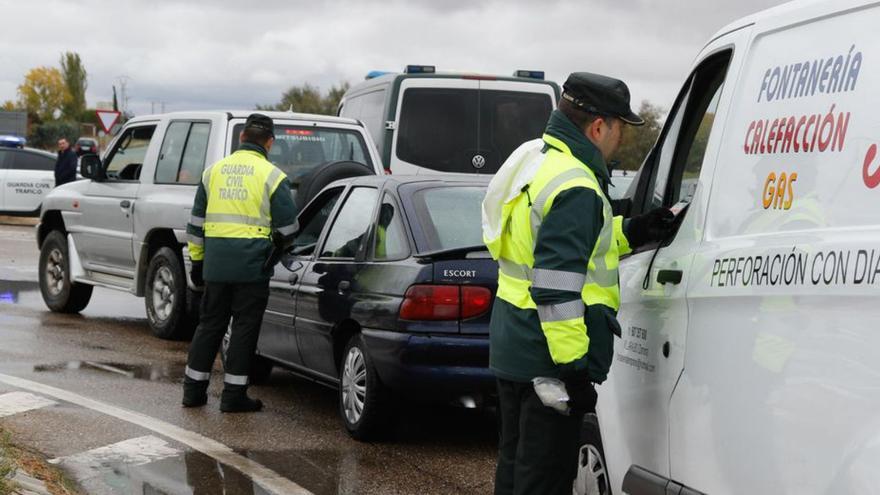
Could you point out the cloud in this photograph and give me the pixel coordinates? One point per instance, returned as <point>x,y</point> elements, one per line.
<point>232,54</point>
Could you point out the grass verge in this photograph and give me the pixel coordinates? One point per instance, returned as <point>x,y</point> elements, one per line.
<point>13,457</point>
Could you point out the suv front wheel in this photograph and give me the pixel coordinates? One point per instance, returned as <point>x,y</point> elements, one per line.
<point>165,297</point>
<point>59,293</point>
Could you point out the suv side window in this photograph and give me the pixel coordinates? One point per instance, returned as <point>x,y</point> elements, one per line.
<point>182,157</point>
<point>314,218</point>
<point>26,160</point>
<point>390,241</point>
<point>673,170</point>
<point>125,160</point>
<point>351,225</point>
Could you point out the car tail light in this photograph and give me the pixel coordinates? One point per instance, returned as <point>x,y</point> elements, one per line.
<point>444,302</point>
<point>475,301</point>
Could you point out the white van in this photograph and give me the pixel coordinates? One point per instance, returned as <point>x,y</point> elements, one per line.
<point>750,355</point>
<point>428,122</point>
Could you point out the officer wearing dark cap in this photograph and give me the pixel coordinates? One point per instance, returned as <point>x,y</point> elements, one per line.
<point>548,221</point>
<point>242,203</point>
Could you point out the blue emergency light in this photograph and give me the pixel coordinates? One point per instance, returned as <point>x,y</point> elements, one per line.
<point>530,74</point>
<point>376,73</point>
<point>420,69</point>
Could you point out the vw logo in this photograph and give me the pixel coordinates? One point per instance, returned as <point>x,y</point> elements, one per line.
<point>478,161</point>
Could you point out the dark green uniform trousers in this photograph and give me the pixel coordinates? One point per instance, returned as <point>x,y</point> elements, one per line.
<point>245,304</point>
<point>538,451</point>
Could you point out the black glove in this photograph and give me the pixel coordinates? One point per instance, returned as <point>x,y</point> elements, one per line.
<point>656,225</point>
<point>581,394</point>
<point>196,274</point>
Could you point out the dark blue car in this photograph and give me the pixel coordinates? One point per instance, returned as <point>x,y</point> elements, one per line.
<point>387,291</point>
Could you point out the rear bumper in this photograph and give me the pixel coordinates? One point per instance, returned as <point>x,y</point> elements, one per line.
<point>431,365</point>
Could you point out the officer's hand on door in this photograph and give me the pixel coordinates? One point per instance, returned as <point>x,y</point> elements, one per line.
<point>653,226</point>
<point>196,274</point>
<point>581,393</point>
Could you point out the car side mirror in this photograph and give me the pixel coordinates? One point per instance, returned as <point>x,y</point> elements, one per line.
<point>291,263</point>
<point>90,167</point>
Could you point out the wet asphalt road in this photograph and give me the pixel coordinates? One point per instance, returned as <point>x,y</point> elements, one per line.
<point>107,353</point>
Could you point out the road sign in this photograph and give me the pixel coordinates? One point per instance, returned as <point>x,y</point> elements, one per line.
<point>107,118</point>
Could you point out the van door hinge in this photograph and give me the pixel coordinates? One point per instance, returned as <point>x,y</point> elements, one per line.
<point>390,125</point>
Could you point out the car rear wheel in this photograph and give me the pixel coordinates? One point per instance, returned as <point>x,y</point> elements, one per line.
<point>592,474</point>
<point>59,293</point>
<point>363,399</point>
<point>165,297</point>
<point>261,368</point>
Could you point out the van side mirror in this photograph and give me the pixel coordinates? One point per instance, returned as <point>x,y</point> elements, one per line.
<point>621,207</point>
<point>90,167</point>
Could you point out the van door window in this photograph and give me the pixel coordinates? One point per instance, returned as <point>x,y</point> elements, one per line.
<point>127,158</point>
<point>438,128</point>
<point>372,114</point>
<point>507,120</point>
<point>676,167</point>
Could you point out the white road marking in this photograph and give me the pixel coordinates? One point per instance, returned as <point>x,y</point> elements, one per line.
<point>17,402</point>
<point>131,452</point>
<point>261,475</point>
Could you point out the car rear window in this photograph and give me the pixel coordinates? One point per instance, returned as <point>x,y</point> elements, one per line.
<point>467,130</point>
<point>450,216</point>
<point>299,149</point>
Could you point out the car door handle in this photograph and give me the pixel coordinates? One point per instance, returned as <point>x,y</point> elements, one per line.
<point>125,203</point>
<point>293,278</point>
<point>669,277</point>
<point>344,286</point>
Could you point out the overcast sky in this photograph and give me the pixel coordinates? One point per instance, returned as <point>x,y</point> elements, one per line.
<point>235,54</point>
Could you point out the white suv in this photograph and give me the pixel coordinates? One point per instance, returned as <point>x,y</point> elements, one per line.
<point>125,226</point>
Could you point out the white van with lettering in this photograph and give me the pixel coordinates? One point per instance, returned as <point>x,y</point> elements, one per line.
<point>749,361</point>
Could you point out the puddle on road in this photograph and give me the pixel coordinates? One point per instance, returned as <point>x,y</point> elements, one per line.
<point>188,473</point>
<point>167,372</point>
<point>104,302</point>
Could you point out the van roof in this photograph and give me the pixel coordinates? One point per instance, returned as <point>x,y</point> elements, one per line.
<point>242,114</point>
<point>787,13</point>
<point>393,77</point>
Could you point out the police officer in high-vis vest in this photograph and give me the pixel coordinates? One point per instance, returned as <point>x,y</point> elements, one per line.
<point>548,221</point>
<point>243,203</point>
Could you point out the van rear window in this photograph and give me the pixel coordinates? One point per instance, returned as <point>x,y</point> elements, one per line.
<point>299,149</point>
<point>467,130</point>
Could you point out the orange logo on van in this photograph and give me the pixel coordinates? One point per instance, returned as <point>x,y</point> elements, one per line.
<point>779,191</point>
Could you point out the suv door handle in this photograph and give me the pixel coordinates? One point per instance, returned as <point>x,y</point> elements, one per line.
<point>669,277</point>
<point>343,286</point>
<point>125,203</point>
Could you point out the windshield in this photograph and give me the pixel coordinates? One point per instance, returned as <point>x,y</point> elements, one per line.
<point>299,149</point>
<point>450,216</point>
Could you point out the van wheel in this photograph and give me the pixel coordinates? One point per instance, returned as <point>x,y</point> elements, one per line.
<point>364,402</point>
<point>59,294</point>
<point>165,297</point>
<point>324,174</point>
<point>592,473</point>
<point>261,368</point>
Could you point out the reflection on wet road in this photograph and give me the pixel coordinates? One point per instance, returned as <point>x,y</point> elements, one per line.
<point>108,353</point>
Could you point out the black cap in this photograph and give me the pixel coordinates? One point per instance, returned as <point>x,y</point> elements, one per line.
<point>260,121</point>
<point>600,95</point>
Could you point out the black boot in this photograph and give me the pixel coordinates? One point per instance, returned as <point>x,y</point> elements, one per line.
<point>195,393</point>
<point>235,399</point>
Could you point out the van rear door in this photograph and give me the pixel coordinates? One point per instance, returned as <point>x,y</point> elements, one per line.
<point>465,124</point>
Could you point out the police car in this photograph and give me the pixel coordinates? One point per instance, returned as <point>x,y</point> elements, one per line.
<point>26,176</point>
<point>386,292</point>
<point>749,361</point>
